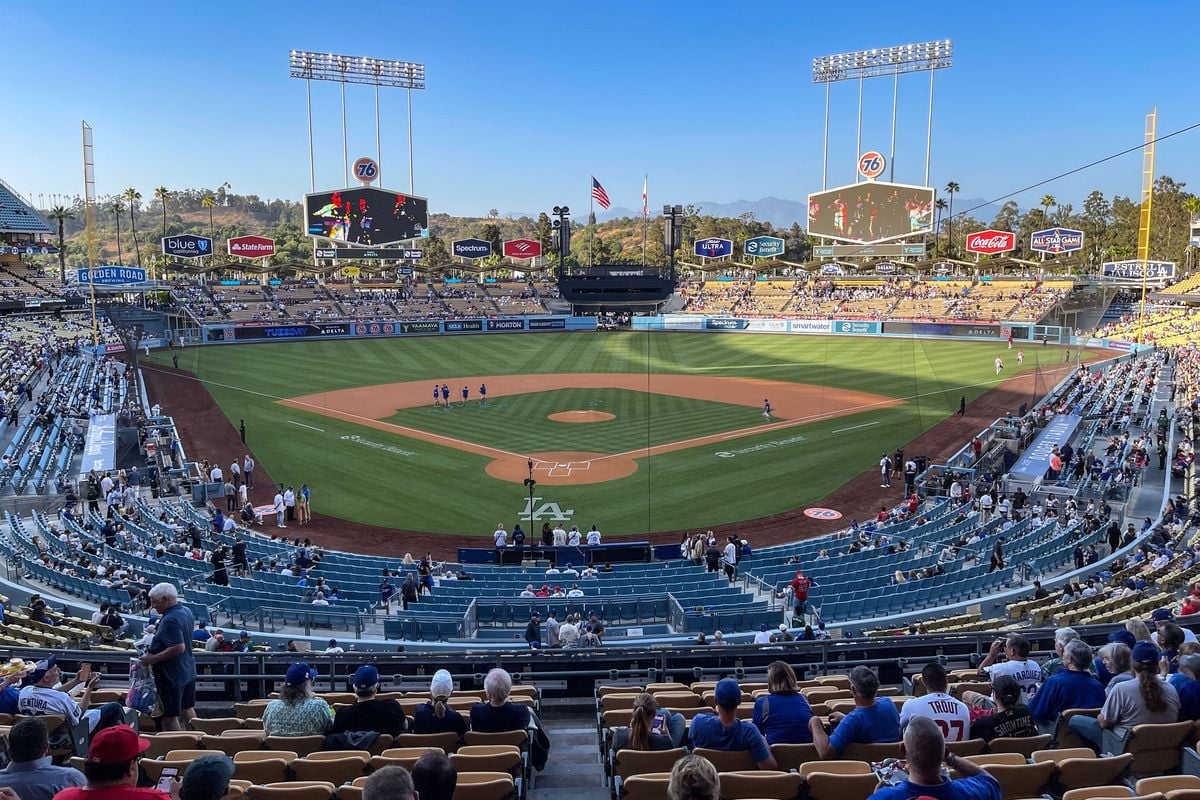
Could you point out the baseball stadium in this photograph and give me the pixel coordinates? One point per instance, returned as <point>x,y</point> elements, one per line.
<point>407,506</point>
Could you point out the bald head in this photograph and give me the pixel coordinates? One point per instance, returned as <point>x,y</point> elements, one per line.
<point>924,745</point>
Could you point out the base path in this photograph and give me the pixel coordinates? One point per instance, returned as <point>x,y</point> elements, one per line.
<point>791,403</point>
<point>206,432</point>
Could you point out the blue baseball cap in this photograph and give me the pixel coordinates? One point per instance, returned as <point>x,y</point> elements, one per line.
<point>298,673</point>
<point>1124,637</point>
<point>1145,653</point>
<point>366,675</point>
<point>728,692</point>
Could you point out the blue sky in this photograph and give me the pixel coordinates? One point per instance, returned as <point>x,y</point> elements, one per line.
<point>713,99</point>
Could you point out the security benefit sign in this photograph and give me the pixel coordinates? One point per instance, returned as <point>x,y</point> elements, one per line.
<point>1133,268</point>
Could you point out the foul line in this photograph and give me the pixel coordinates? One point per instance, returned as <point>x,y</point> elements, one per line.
<point>302,425</point>
<point>855,427</point>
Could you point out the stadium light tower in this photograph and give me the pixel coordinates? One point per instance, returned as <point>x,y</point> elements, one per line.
<point>863,64</point>
<point>375,72</point>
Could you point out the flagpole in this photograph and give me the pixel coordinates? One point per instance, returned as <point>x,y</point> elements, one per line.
<point>591,222</point>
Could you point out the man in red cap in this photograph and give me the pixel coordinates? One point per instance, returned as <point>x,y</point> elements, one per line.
<point>112,769</point>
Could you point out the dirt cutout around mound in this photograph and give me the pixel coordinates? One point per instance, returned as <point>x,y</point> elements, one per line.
<point>581,416</point>
<point>792,404</point>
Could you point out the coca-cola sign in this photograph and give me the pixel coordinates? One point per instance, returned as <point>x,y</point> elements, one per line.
<point>991,242</point>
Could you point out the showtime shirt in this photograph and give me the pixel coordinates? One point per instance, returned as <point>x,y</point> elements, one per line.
<point>1027,674</point>
<point>950,714</point>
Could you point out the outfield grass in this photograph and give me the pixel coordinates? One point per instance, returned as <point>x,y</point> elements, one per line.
<point>436,488</point>
<point>519,423</point>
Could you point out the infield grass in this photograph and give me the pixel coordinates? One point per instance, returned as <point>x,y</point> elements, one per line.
<point>383,478</point>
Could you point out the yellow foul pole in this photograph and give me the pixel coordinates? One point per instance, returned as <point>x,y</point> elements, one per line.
<point>1143,241</point>
<point>89,200</point>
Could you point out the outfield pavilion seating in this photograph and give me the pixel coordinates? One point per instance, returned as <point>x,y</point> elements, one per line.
<point>1166,326</point>
<point>466,299</point>
<point>515,297</point>
<point>1189,285</point>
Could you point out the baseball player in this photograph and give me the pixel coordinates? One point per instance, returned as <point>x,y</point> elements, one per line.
<point>446,395</point>
<point>482,393</point>
<point>999,364</point>
<point>436,401</point>
<point>1020,357</point>
<point>766,408</point>
<point>466,391</point>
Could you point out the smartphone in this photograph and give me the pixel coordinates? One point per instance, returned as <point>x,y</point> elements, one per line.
<point>164,782</point>
<point>659,726</point>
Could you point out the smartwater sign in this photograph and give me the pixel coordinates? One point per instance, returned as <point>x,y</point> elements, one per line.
<point>763,246</point>
<point>111,276</point>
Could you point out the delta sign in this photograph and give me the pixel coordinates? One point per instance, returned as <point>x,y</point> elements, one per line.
<point>713,247</point>
<point>251,247</point>
<point>991,242</point>
<point>1056,240</point>
<point>471,248</point>
<point>111,276</point>
<point>763,246</point>
<point>522,248</point>
<point>187,245</point>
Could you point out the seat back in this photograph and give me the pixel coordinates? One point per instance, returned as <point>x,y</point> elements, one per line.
<point>1155,748</point>
<point>1167,783</point>
<point>163,743</point>
<point>627,763</point>
<point>483,786</point>
<point>642,787</point>
<point>338,770</point>
<point>215,725</point>
<point>519,738</point>
<point>967,747</point>
<point>728,760</point>
<point>1076,773</point>
<point>835,768</point>
<point>231,745</point>
<point>872,752</point>
<point>446,742</point>
<point>1062,754</point>
<point>504,761</point>
<point>1096,792</point>
<point>759,785</point>
<point>292,790</point>
<point>405,757</point>
<point>301,745</point>
<point>793,756</point>
<point>828,786</point>
<point>1062,729</point>
<point>1010,759</point>
<point>1021,780</point>
<point>1025,745</point>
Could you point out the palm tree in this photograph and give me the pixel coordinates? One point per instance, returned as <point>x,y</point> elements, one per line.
<point>951,188</point>
<point>209,202</point>
<point>940,205</point>
<point>115,207</point>
<point>1048,201</point>
<point>161,194</point>
<point>133,196</point>
<point>61,214</point>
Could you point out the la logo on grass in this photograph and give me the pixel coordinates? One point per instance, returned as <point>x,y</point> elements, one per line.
<point>551,511</point>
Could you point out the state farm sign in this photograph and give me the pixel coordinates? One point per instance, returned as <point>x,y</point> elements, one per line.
<point>522,248</point>
<point>251,247</point>
<point>990,242</point>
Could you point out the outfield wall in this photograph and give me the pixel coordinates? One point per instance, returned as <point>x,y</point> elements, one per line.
<point>231,333</point>
<point>1020,331</point>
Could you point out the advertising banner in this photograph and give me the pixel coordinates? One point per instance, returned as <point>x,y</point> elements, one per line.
<point>942,329</point>
<point>861,327</point>
<point>376,328</point>
<point>100,446</point>
<point>763,246</point>
<point>111,276</point>
<point>991,242</point>
<point>725,324</point>
<point>713,247</point>
<point>471,248</point>
<point>1056,240</point>
<point>251,247</point>
<point>506,324</point>
<point>1034,462</point>
<point>809,326</point>
<point>461,325</point>
<point>187,245</point>
<point>549,323</point>
<point>420,326</point>
<point>522,248</point>
<point>243,332</point>
<point>1132,268</point>
<point>775,325</point>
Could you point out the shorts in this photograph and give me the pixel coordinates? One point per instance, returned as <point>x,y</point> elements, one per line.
<point>172,699</point>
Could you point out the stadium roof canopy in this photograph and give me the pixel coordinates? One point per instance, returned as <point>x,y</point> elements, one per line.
<point>17,216</point>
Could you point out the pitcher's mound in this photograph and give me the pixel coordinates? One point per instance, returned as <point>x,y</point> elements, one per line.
<point>581,416</point>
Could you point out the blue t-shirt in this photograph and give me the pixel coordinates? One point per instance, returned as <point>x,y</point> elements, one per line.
<point>977,787</point>
<point>783,718</point>
<point>868,725</point>
<point>707,731</point>
<point>174,628</point>
<point>10,695</point>
<point>1066,689</point>
<point>1189,698</point>
<point>487,718</point>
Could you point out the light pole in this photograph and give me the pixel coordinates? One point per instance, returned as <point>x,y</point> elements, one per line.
<point>672,233</point>
<point>561,228</point>
<point>530,482</point>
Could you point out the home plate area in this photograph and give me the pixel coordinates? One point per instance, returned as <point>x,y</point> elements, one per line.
<point>559,469</point>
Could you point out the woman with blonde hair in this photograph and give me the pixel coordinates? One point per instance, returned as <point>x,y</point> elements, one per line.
<point>694,778</point>
<point>436,716</point>
<point>650,728</point>
<point>782,715</point>
<point>1140,632</point>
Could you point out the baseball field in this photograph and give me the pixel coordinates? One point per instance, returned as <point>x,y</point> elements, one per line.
<point>633,432</point>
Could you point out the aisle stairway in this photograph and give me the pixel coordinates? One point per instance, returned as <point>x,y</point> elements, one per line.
<point>574,763</point>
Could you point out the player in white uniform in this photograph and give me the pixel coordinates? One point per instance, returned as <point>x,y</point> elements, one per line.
<point>949,713</point>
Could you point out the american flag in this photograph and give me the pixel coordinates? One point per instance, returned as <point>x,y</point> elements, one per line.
<point>645,199</point>
<point>599,195</point>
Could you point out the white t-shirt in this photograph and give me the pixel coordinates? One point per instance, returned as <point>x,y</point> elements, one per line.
<point>500,537</point>
<point>950,714</point>
<point>35,700</point>
<point>762,637</point>
<point>1027,674</point>
<point>573,538</point>
<point>730,554</point>
<point>593,538</point>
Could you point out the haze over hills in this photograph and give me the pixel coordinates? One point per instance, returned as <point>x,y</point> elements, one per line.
<point>780,212</point>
